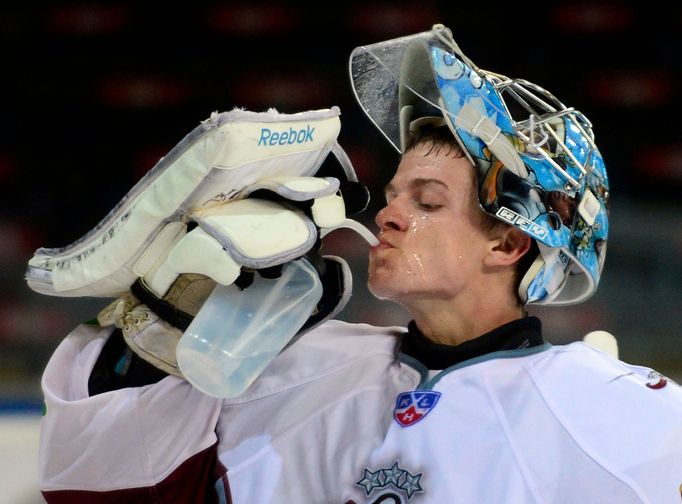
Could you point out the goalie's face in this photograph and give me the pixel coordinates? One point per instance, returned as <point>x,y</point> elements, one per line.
<point>432,237</point>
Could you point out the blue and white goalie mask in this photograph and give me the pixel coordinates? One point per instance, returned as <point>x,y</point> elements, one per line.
<point>537,164</point>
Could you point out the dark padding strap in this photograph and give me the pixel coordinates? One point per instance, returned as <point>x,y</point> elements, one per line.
<point>331,276</point>
<point>163,309</point>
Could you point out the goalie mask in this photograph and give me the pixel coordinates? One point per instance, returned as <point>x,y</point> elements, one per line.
<point>537,164</point>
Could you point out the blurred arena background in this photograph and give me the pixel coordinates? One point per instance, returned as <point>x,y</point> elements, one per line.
<point>94,93</point>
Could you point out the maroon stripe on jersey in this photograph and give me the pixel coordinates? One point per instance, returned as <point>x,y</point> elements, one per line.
<point>221,485</point>
<point>199,479</point>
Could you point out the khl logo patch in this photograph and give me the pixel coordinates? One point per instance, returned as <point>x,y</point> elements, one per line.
<point>412,406</point>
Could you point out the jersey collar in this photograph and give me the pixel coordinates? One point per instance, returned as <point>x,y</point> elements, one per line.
<point>522,333</point>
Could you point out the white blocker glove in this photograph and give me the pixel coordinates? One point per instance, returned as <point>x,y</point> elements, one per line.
<point>235,195</point>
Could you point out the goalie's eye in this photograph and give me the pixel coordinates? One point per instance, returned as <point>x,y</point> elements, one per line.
<point>429,207</point>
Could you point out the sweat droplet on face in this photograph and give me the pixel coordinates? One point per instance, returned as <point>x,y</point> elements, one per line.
<point>418,222</point>
<point>416,264</point>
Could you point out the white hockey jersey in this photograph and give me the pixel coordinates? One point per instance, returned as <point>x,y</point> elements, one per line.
<point>341,417</point>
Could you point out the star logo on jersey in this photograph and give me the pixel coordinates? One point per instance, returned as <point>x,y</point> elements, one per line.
<point>393,484</point>
<point>413,406</point>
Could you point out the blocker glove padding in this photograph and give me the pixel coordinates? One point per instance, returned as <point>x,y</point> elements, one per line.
<point>237,194</point>
<point>206,180</point>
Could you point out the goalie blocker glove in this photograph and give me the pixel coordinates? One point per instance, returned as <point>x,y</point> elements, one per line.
<point>237,194</point>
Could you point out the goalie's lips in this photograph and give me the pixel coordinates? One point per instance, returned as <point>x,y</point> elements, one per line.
<point>385,242</point>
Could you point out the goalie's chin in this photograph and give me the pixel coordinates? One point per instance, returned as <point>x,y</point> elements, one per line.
<point>381,281</point>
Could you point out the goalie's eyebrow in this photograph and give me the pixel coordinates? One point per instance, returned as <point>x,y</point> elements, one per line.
<point>416,183</point>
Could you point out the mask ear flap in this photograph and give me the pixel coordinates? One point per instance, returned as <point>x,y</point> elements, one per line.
<point>528,277</point>
<point>545,279</point>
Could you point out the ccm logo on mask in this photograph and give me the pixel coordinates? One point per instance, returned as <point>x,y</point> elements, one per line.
<point>290,136</point>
